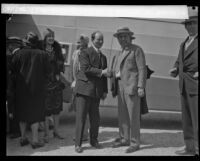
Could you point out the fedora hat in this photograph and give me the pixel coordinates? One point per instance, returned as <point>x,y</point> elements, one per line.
<point>193,15</point>
<point>124,30</point>
<point>191,19</point>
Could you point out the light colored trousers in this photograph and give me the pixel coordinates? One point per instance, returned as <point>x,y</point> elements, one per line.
<point>129,117</point>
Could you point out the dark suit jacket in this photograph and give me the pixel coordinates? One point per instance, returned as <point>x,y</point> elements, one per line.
<point>187,65</point>
<point>89,79</point>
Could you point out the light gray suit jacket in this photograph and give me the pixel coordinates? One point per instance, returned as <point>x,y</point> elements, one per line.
<point>132,69</point>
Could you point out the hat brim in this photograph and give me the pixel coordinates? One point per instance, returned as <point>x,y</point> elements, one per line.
<point>188,20</point>
<point>14,42</point>
<point>119,33</point>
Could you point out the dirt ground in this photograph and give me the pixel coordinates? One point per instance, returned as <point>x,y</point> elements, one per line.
<point>161,135</point>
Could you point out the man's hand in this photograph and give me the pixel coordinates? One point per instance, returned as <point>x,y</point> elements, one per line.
<point>73,84</point>
<point>196,75</point>
<point>104,72</point>
<point>107,73</point>
<point>104,96</point>
<point>173,72</point>
<point>140,92</point>
<point>118,75</point>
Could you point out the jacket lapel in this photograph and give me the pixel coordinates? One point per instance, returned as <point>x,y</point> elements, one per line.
<point>190,48</point>
<point>96,57</point>
<point>124,55</point>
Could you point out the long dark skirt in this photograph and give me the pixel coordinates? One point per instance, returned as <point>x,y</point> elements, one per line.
<point>54,100</point>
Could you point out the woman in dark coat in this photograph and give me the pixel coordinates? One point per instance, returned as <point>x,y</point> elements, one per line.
<point>54,86</point>
<point>30,70</point>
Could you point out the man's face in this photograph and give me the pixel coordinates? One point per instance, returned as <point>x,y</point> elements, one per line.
<point>192,27</point>
<point>124,39</point>
<point>98,40</point>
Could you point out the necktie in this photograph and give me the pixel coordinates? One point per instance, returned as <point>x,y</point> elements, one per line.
<point>99,54</point>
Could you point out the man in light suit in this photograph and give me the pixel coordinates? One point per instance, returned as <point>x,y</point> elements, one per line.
<point>91,86</point>
<point>186,66</point>
<point>130,70</point>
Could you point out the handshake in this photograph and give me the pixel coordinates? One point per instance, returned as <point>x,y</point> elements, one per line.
<point>107,73</point>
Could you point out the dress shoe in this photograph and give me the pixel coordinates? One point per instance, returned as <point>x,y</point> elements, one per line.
<point>85,139</point>
<point>96,145</point>
<point>24,141</point>
<point>56,135</point>
<point>121,143</point>
<point>132,149</point>
<point>36,145</point>
<point>78,149</point>
<point>14,135</point>
<point>185,152</point>
<point>117,139</point>
<point>46,139</point>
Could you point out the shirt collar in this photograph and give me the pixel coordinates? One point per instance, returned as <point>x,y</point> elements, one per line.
<point>97,50</point>
<point>127,48</point>
<point>193,37</point>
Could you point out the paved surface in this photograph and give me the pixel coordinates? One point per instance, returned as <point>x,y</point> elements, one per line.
<point>161,135</point>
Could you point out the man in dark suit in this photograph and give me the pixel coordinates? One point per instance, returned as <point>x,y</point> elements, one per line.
<point>186,66</point>
<point>130,70</point>
<point>91,86</point>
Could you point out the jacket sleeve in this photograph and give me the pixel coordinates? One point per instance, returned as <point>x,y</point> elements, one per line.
<point>141,65</point>
<point>176,64</point>
<point>105,80</point>
<point>113,79</point>
<point>86,66</point>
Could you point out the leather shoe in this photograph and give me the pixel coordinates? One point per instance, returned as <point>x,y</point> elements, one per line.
<point>185,152</point>
<point>117,140</point>
<point>15,135</point>
<point>96,145</point>
<point>132,149</point>
<point>78,149</point>
<point>36,145</point>
<point>56,135</point>
<point>121,143</point>
<point>24,141</point>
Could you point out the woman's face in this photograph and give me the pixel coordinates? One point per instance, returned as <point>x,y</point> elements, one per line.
<point>50,39</point>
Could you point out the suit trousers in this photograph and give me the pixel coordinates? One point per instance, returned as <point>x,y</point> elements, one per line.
<point>190,120</point>
<point>129,117</point>
<point>87,105</point>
